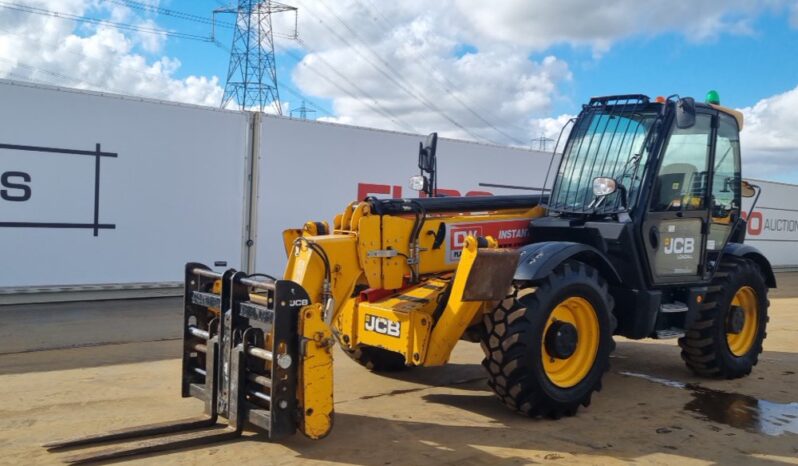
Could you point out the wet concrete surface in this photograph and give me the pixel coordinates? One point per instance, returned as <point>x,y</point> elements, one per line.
<point>418,417</point>
<point>734,409</point>
<point>744,412</point>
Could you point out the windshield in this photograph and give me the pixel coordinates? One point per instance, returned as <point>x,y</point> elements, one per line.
<point>607,141</point>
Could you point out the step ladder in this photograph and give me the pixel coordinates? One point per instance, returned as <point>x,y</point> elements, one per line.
<point>671,308</point>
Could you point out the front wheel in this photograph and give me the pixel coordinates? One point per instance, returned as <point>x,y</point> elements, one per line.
<point>547,347</point>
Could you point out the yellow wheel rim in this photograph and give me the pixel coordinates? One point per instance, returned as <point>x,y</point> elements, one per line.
<point>741,343</point>
<point>570,371</point>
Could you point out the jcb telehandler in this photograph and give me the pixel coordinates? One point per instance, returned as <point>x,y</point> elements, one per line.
<point>641,235</point>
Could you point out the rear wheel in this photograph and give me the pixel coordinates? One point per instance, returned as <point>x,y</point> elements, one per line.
<point>726,338</point>
<point>377,359</point>
<point>547,347</point>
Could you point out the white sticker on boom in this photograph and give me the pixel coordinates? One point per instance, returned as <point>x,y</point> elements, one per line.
<point>671,228</point>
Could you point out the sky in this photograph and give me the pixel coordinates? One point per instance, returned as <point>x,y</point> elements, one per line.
<point>504,72</point>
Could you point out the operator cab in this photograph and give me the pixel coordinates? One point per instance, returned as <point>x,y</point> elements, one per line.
<point>655,185</point>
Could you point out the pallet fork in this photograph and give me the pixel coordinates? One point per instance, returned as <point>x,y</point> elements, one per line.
<point>241,352</point>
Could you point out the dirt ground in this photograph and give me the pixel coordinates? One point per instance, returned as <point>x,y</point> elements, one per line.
<point>651,411</point>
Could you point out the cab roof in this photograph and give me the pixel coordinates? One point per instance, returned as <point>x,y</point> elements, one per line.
<point>641,99</point>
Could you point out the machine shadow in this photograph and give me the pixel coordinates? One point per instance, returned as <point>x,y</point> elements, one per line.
<point>462,375</point>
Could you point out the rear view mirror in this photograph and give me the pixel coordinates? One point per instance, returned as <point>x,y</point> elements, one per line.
<point>685,113</point>
<point>428,165</point>
<point>426,153</point>
<point>747,189</point>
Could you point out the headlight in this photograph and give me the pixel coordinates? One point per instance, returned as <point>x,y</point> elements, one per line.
<point>418,183</point>
<point>604,186</point>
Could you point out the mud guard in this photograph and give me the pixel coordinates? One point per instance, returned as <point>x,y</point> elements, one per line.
<point>540,259</point>
<point>484,274</point>
<point>749,252</point>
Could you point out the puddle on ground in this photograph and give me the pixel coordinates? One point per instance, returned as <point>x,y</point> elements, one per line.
<point>733,409</point>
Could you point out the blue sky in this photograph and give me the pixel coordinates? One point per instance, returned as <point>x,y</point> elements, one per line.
<point>743,68</point>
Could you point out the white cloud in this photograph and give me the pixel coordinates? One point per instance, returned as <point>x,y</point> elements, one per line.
<point>550,129</point>
<point>152,43</point>
<point>497,82</point>
<point>411,74</point>
<point>769,138</point>
<point>53,50</point>
<point>539,24</point>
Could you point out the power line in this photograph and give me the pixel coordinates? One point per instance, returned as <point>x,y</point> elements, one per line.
<point>183,15</point>
<point>60,76</point>
<point>119,65</point>
<point>374,104</point>
<point>475,112</point>
<point>396,72</point>
<point>172,13</point>
<point>395,77</point>
<point>373,7</point>
<point>101,22</point>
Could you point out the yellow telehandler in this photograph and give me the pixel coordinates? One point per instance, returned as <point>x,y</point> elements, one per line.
<point>641,235</point>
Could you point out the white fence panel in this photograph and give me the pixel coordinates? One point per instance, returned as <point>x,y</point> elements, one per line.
<point>170,184</point>
<point>312,170</point>
<point>773,225</point>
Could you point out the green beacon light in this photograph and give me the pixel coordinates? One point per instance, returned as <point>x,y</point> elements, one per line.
<point>713,97</point>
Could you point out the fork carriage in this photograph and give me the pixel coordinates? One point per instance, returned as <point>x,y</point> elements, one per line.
<point>242,348</point>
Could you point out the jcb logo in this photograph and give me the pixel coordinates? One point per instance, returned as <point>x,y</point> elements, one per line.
<point>679,245</point>
<point>383,326</point>
<point>298,302</point>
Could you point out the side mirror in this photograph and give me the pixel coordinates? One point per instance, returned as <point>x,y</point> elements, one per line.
<point>747,189</point>
<point>685,113</point>
<point>603,186</point>
<point>428,165</point>
<point>426,153</point>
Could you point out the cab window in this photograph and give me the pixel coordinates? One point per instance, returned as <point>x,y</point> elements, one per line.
<point>681,183</point>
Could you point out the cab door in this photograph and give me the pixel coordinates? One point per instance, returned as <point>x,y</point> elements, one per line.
<point>677,221</point>
<point>725,202</point>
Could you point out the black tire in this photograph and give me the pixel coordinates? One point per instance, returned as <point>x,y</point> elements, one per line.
<point>377,359</point>
<point>514,336</point>
<point>705,349</point>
